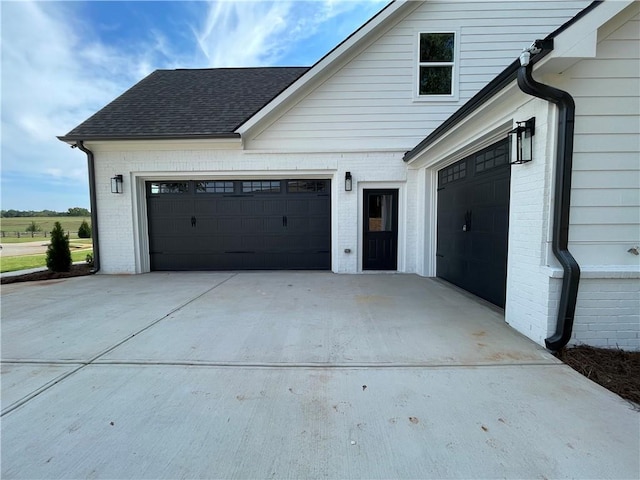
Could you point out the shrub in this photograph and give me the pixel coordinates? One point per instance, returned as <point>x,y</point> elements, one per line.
<point>34,227</point>
<point>58,253</point>
<point>89,259</point>
<point>85,230</point>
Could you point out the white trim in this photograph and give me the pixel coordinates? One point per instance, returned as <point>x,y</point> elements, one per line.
<point>580,39</point>
<point>140,225</point>
<point>164,144</point>
<point>141,218</point>
<point>432,232</point>
<point>589,272</point>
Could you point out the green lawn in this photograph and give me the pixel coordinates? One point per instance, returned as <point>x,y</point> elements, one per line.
<point>43,240</point>
<point>24,262</point>
<point>19,224</point>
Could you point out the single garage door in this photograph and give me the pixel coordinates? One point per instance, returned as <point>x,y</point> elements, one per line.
<point>473,223</point>
<point>239,224</point>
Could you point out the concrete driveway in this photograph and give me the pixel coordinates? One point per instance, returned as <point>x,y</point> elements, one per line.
<point>291,375</point>
<point>28,248</point>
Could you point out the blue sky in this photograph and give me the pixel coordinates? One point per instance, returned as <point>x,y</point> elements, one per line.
<point>63,61</point>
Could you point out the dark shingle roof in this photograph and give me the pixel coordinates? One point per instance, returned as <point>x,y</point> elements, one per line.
<point>187,103</point>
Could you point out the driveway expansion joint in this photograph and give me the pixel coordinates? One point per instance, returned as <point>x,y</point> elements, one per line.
<point>317,365</point>
<point>83,364</point>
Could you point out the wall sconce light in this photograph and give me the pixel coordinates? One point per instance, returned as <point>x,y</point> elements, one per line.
<point>116,184</point>
<point>348,182</point>
<point>524,133</point>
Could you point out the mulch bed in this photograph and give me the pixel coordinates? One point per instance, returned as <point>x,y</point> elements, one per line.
<point>614,369</point>
<point>76,271</point>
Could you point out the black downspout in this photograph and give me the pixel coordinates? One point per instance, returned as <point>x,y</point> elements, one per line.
<point>562,190</point>
<point>94,208</point>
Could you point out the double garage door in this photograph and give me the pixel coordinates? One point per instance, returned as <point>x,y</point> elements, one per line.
<point>239,224</point>
<point>473,223</point>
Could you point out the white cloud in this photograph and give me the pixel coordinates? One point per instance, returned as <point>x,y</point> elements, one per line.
<point>250,33</point>
<point>47,88</point>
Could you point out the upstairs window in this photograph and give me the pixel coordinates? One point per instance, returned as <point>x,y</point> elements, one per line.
<point>435,64</point>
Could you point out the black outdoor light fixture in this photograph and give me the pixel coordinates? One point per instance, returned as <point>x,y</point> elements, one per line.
<point>348,182</point>
<point>524,133</point>
<point>116,184</point>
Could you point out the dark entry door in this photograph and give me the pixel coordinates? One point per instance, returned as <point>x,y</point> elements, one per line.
<point>239,224</point>
<point>473,223</point>
<point>380,234</point>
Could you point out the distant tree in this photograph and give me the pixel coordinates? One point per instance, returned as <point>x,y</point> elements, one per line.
<point>32,213</point>
<point>85,230</point>
<point>33,227</point>
<point>78,212</point>
<point>58,253</point>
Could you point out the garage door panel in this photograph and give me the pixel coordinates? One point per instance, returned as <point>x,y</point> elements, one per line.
<point>501,190</point>
<point>227,206</point>
<point>272,207</point>
<point>482,194</point>
<point>483,249</point>
<point>211,226</point>
<point>501,220</point>
<point>256,225</point>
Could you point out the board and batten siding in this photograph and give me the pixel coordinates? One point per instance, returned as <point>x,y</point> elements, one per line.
<point>605,202</point>
<point>370,102</point>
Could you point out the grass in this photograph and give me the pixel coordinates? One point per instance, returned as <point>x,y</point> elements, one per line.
<point>43,240</point>
<point>24,262</point>
<point>20,224</point>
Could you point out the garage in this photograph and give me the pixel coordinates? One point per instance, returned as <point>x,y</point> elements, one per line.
<point>473,222</point>
<point>239,224</point>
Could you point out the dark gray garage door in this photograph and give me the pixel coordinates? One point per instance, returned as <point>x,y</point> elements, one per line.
<point>473,223</point>
<point>239,225</point>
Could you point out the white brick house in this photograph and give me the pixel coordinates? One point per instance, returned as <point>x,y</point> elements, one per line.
<point>206,186</point>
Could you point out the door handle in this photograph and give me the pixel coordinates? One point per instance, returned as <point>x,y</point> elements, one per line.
<point>467,221</point>
<point>284,220</point>
<point>193,221</point>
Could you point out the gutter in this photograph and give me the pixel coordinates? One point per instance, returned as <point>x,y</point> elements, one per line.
<point>192,136</point>
<point>93,203</point>
<point>562,191</point>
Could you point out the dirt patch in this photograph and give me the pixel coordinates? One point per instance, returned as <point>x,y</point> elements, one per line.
<point>614,369</point>
<point>76,271</point>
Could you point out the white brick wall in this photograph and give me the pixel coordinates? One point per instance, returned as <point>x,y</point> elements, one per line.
<point>119,242</point>
<point>607,313</point>
<point>530,290</point>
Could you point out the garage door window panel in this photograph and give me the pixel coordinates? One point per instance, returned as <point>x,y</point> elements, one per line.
<point>214,187</point>
<point>262,186</point>
<point>491,158</point>
<point>306,186</point>
<point>172,188</point>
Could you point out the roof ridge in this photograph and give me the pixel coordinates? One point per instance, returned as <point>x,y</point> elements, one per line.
<point>235,68</point>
